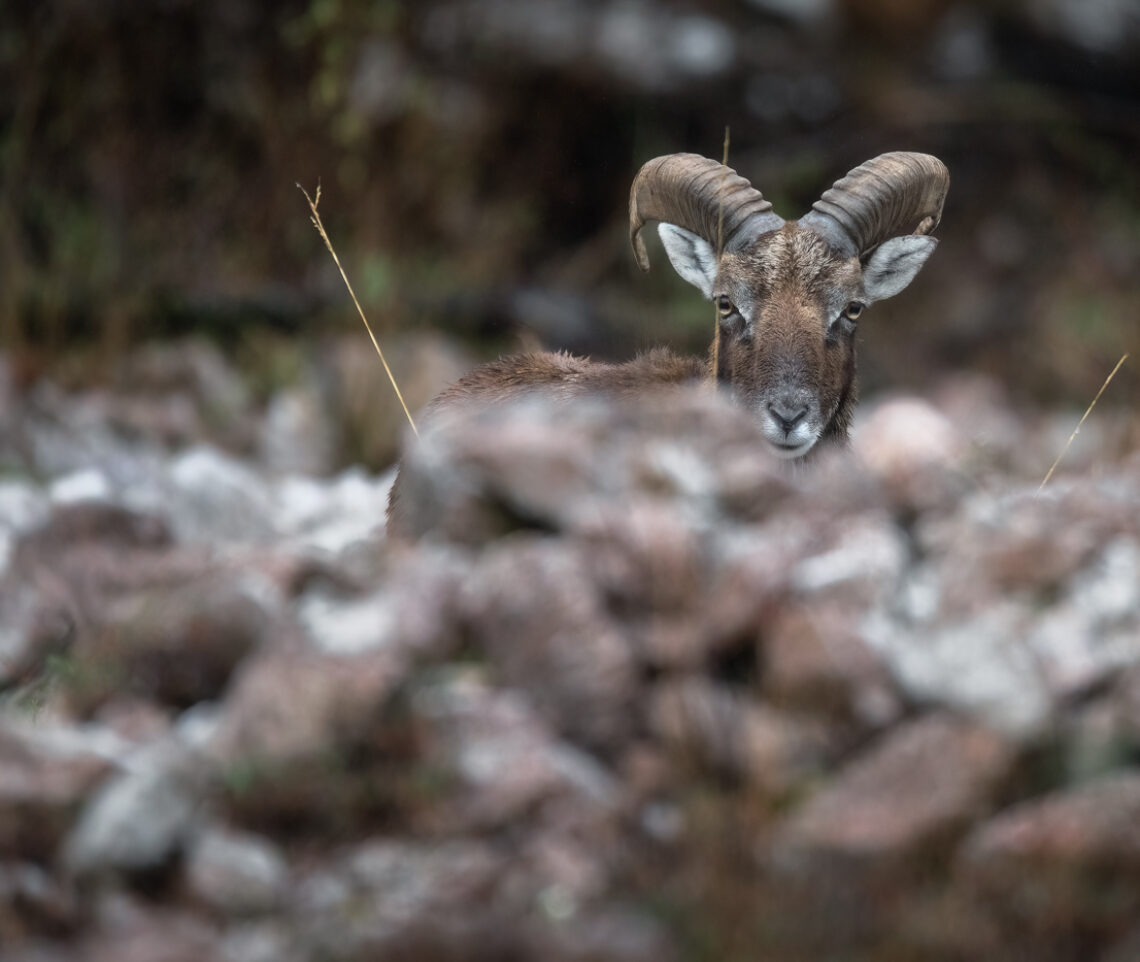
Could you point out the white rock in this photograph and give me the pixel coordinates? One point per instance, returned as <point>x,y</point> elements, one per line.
<point>870,551</point>
<point>22,507</point>
<point>982,666</point>
<point>88,484</point>
<point>342,627</point>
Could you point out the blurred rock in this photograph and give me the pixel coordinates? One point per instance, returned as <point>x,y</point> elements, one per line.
<point>401,899</point>
<point>807,12</point>
<point>259,941</point>
<point>215,497</point>
<point>1067,860</point>
<point>535,612</point>
<point>417,611</point>
<point>33,903</point>
<point>126,930</point>
<point>630,658</point>
<point>174,644</point>
<point>43,782</point>
<point>507,762</point>
<point>197,368</point>
<point>297,433</point>
<point>913,449</point>
<point>330,518</point>
<point>772,751</point>
<point>987,627</point>
<point>235,874</point>
<point>904,798</point>
<point>290,706</point>
<point>90,485</point>
<point>141,819</point>
<point>814,656</point>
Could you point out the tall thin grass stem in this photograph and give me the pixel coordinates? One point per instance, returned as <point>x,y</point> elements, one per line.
<point>316,219</point>
<point>1077,430</point>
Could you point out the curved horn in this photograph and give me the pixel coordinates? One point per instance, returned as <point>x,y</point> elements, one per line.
<point>689,190</point>
<point>895,193</point>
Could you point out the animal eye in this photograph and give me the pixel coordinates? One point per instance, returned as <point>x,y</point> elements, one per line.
<point>853,310</point>
<point>724,306</point>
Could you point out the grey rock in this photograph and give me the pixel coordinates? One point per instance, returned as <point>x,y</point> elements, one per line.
<point>297,436</point>
<point>214,497</point>
<point>141,818</point>
<point>260,941</point>
<point>236,873</point>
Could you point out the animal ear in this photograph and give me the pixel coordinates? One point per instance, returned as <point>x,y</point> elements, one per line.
<point>691,256</point>
<point>894,264</point>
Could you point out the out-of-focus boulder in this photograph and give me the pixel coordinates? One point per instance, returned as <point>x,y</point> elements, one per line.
<point>907,796</point>
<point>1064,862</point>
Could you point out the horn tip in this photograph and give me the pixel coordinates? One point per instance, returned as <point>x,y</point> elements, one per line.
<point>641,255</point>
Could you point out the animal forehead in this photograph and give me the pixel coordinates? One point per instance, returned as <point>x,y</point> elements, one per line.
<point>795,257</point>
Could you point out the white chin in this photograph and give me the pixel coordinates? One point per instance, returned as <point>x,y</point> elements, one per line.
<point>788,453</point>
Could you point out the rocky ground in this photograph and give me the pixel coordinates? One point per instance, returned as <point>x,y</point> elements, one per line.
<point>638,693</point>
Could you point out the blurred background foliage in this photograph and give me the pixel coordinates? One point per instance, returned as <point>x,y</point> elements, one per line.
<point>475,158</point>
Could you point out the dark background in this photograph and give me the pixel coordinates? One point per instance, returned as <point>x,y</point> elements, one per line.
<point>475,159</point>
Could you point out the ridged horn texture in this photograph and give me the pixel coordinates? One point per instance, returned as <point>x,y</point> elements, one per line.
<point>690,191</point>
<point>895,193</point>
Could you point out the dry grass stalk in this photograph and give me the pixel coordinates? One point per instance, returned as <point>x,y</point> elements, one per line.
<point>1077,430</point>
<point>316,219</point>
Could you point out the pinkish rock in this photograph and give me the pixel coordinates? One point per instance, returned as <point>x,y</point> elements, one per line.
<point>1071,858</point>
<point>815,658</point>
<point>287,706</point>
<point>678,602</point>
<point>995,546</point>
<point>917,786</point>
<point>534,609</point>
<point>129,930</point>
<point>914,450</point>
<point>314,743</point>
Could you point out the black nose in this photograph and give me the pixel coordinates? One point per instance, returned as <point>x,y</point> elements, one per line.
<point>787,415</point>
